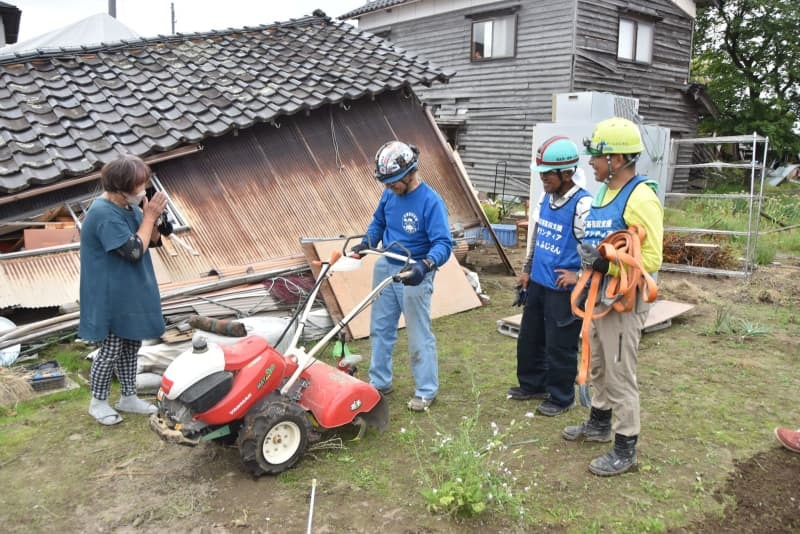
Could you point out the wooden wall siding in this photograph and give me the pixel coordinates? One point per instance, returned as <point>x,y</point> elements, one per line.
<point>503,98</point>
<point>659,87</point>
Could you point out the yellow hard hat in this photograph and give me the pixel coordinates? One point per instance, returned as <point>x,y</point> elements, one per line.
<point>614,136</point>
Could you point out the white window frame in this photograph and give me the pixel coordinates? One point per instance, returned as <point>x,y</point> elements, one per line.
<point>635,40</point>
<point>489,27</point>
<point>179,222</point>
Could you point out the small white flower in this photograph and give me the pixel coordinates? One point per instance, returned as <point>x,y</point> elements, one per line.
<point>402,430</point>
<point>529,415</point>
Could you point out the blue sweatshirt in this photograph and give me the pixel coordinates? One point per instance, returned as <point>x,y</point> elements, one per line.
<point>417,220</point>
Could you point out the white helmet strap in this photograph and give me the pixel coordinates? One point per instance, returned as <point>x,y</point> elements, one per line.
<point>612,172</point>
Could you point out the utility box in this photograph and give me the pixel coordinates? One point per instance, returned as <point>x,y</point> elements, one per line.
<point>592,106</point>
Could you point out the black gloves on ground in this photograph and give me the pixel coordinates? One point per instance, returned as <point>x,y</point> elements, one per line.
<point>418,271</point>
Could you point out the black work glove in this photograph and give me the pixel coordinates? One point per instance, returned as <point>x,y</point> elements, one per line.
<point>165,227</point>
<point>414,274</point>
<point>521,298</point>
<point>591,258</point>
<point>360,247</point>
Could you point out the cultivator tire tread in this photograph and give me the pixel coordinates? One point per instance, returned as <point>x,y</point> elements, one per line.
<point>257,426</point>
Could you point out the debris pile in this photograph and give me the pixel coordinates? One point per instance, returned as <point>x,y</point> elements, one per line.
<point>716,254</point>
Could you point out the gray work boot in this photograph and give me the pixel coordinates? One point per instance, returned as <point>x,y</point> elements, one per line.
<point>618,460</point>
<point>597,428</point>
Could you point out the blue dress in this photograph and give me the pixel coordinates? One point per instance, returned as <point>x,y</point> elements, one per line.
<point>116,295</point>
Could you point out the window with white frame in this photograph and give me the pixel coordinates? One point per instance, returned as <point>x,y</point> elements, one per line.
<point>494,38</point>
<point>635,40</point>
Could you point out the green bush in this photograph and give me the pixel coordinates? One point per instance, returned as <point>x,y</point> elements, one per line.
<point>492,213</point>
<point>765,253</point>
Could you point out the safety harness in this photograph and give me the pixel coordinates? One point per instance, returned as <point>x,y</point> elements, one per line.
<point>624,249</point>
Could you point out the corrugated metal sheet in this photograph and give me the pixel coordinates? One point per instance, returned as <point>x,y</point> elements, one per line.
<point>250,197</point>
<point>40,281</point>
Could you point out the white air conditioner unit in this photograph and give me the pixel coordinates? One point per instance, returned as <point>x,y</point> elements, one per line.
<point>593,106</point>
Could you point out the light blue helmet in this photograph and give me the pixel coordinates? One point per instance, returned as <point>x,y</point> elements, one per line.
<point>556,153</point>
<point>394,160</point>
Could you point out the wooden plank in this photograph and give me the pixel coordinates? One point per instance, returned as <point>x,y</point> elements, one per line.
<point>663,311</point>
<point>660,316</point>
<point>334,310</point>
<point>452,292</point>
<point>701,245</point>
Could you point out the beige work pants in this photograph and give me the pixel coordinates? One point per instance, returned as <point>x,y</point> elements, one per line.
<point>615,345</point>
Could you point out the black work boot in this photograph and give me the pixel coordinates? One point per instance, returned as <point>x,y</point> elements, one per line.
<point>597,428</point>
<point>618,460</point>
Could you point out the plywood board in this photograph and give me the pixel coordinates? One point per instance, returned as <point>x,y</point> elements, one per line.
<point>662,312</point>
<point>660,316</point>
<point>50,237</point>
<point>452,292</point>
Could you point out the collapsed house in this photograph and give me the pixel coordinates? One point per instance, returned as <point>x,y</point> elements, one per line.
<point>259,137</point>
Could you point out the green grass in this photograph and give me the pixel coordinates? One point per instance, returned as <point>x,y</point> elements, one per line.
<point>732,215</point>
<point>713,385</point>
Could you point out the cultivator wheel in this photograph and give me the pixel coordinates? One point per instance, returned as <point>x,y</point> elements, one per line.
<point>274,437</point>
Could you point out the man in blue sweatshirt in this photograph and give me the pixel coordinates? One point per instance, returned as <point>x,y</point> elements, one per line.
<point>412,214</point>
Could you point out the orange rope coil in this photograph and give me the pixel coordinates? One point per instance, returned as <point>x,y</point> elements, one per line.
<point>624,249</point>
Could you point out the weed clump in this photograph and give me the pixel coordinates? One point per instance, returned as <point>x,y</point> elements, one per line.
<point>467,475</point>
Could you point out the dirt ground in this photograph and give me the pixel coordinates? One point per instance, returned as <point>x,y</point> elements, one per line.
<point>764,489</point>
<point>69,475</point>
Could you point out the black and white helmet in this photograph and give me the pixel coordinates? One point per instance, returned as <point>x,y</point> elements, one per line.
<point>394,160</point>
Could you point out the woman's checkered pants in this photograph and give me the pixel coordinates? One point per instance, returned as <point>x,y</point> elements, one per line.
<point>116,355</point>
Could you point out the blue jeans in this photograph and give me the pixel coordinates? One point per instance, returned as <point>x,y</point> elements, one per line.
<point>414,302</point>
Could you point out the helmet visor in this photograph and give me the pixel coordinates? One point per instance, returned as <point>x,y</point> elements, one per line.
<point>593,150</point>
<point>392,178</point>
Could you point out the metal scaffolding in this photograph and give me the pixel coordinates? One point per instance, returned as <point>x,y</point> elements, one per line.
<point>754,199</point>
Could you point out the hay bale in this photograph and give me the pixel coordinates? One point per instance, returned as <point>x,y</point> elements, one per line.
<point>14,387</point>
